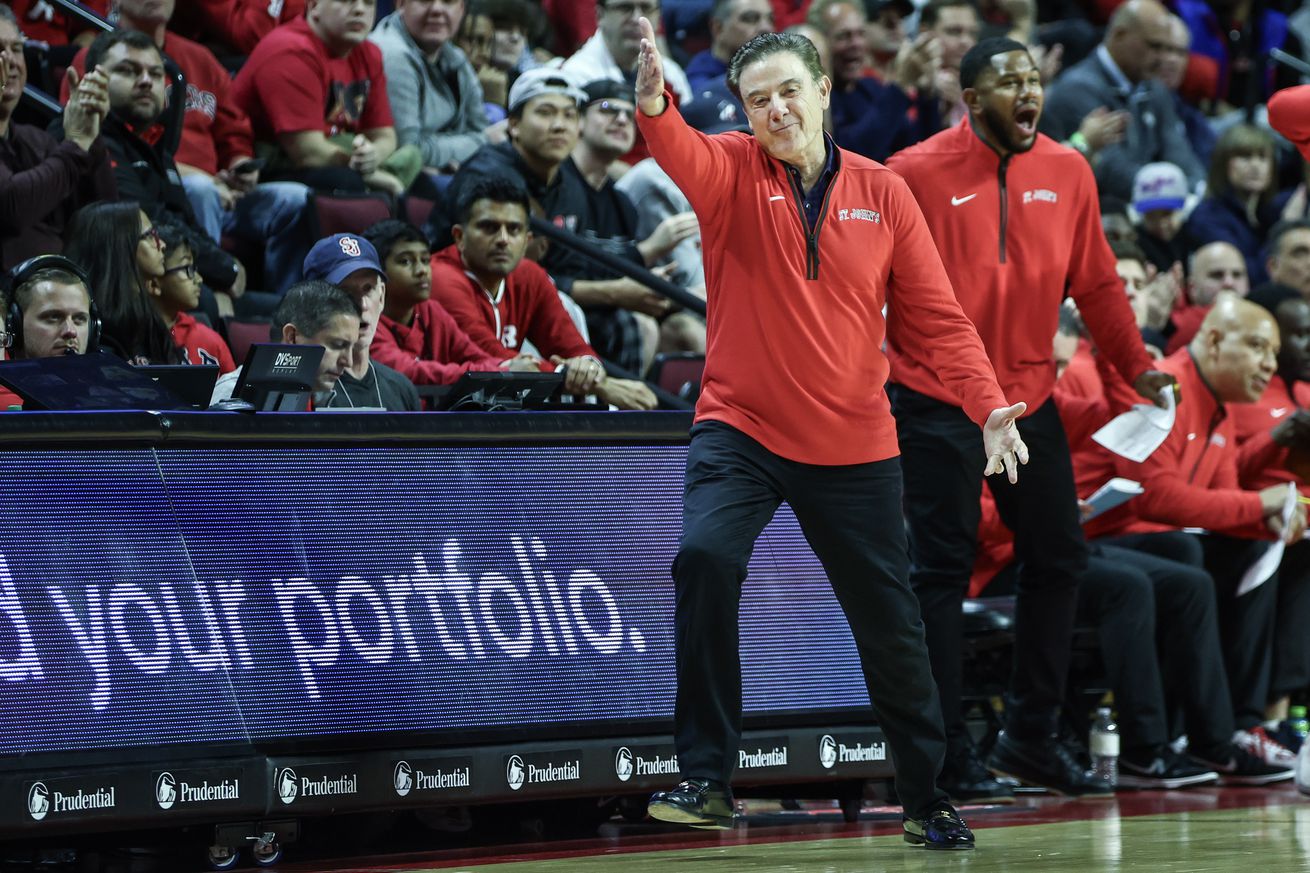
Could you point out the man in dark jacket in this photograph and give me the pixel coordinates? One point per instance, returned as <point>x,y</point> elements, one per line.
<point>138,148</point>
<point>43,180</point>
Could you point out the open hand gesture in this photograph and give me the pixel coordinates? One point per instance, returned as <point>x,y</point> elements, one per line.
<point>650,73</point>
<point>1005,448</point>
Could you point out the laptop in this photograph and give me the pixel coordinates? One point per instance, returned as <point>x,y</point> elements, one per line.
<point>86,382</point>
<point>194,385</point>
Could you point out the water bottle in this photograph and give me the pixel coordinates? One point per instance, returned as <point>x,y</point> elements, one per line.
<point>1296,715</point>
<point>1103,743</point>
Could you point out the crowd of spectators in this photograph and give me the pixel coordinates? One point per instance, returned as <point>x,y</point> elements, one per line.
<point>181,177</point>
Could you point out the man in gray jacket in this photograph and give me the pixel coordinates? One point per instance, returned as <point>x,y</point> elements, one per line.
<point>1121,75</point>
<point>435,96</point>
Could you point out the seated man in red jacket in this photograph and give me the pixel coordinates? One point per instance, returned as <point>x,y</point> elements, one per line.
<point>1191,481</point>
<point>503,301</point>
<point>1274,437</point>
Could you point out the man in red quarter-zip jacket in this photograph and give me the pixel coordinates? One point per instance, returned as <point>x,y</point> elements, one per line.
<point>804,244</point>
<point>1016,220</point>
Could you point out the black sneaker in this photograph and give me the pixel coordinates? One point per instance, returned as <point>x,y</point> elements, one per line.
<point>966,780</point>
<point>1240,767</point>
<point>1166,771</point>
<point>942,828</point>
<point>699,803</point>
<point>1046,763</point>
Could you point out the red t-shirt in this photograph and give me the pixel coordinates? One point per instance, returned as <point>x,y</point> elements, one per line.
<point>215,132</point>
<point>240,24</point>
<point>201,344</point>
<point>528,308</point>
<point>290,84</point>
<point>42,21</point>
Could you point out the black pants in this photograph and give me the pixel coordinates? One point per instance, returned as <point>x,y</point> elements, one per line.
<point>1158,629</point>
<point>942,452</point>
<point>1291,671</point>
<point>1246,623</point>
<point>851,517</point>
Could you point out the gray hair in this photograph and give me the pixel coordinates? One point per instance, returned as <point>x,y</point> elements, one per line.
<point>7,14</point>
<point>760,47</point>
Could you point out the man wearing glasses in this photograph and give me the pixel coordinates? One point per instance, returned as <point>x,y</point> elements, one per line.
<point>139,147</point>
<point>612,51</point>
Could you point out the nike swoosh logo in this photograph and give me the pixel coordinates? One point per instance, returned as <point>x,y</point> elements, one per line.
<point>1279,412</point>
<point>777,197</point>
<point>956,201</point>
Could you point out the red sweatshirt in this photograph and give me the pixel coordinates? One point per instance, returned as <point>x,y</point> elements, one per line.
<point>1014,236</point>
<point>42,21</point>
<point>215,132</point>
<point>432,350</point>
<point>795,330</point>
<point>527,308</point>
<point>240,24</point>
<point>1191,480</point>
<point>1261,461</point>
<point>201,344</point>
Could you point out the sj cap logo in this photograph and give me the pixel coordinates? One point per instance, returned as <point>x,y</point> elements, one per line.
<point>350,246</point>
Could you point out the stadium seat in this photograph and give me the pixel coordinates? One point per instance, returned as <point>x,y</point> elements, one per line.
<point>678,373</point>
<point>417,210</point>
<point>349,213</point>
<point>241,335</point>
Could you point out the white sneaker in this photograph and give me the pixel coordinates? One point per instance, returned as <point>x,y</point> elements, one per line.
<point>1303,770</point>
<point>1260,744</point>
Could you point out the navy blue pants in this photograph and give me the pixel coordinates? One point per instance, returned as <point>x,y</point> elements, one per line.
<point>851,517</point>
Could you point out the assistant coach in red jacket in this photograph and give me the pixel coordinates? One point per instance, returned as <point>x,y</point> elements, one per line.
<point>1016,220</point>
<point>804,244</point>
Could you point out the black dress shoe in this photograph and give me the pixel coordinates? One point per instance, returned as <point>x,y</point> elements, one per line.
<point>1047,763</point>
<point>966,780</point>
<point>942,828</point>
<point>699,803</point>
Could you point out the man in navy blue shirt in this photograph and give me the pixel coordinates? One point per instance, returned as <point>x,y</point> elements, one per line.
<point>732,24</point>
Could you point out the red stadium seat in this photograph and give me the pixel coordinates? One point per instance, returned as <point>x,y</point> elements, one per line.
<point>678,373</point>
<point>417,209</point>
<point>241,335</point>
<point>349,213</point>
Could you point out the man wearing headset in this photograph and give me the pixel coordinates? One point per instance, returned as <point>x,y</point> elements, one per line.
<point>49,310</point>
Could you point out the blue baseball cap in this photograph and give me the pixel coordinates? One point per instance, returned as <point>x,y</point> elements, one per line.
<point>336,257</point>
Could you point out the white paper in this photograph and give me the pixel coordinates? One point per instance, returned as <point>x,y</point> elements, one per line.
<point>1267,564</point>
<point>1140,430</point>
<point>1112,494</point>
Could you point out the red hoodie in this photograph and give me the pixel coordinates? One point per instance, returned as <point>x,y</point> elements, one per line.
<point>240,24</point>
<point>430,351</point>
<point>1014,236</point>
<point>528,308</point>
<point>215,131</point>
<point>795,330</point>
<point>201,344</point>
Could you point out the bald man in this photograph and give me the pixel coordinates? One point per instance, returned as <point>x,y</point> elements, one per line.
<point>1122,75</point>
<point>1191,481</point>
<point>1212,269</point>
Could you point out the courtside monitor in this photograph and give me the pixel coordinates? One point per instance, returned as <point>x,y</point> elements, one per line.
<point>192,383</point>
<point>85,382</point>
<point>501,391</point>
<point>279,378</point>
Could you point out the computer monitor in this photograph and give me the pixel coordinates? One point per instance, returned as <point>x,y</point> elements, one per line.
<point>278,377</point>
<point>85,382</point>
<point>501,391</point>
<point>194,385</point>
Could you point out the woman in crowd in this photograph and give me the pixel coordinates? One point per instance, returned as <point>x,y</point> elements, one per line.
<point>122,253</point>
<point>1239,204</point>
